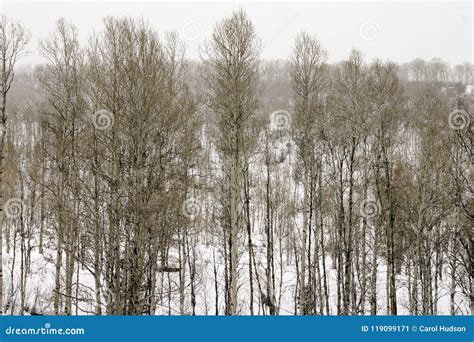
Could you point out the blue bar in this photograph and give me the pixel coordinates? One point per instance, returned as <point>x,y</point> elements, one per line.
<point>242,329</point>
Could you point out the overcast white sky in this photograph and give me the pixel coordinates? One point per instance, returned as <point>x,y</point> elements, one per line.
<point>399,31</point>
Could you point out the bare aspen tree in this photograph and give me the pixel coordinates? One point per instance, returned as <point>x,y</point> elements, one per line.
<point>462,252</point>
<point>251,143</point>
<point>430,184</point>
<point>13,40</point>
<point>308,73</point>
<point>106,59</point>
<point>232,76</point>
<point>386,97</point>
<point>63,84</point>
<point>269,160</point>
<point>349,114</point>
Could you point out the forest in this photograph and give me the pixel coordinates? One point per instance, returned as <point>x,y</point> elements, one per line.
<point>137,181</point>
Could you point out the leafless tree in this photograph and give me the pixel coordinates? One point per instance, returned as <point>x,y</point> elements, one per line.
<point>232,70</point>
<point>14,38</point>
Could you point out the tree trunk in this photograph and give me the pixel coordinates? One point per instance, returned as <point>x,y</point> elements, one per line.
<point>302,285</point>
